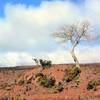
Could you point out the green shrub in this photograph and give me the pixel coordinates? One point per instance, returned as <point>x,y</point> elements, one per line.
<point>45,63</point>
<point>91,84</point>
<point>74,71</point>
<point>47,82</point>
<point>71,73</point>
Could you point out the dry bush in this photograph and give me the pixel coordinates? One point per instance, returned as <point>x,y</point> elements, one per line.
<point>47,81</point>
<point>92,83</point>
<point>57,88</point>
<point>71,73</point>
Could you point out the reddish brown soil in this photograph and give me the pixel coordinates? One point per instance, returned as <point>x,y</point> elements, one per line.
<point>33,91</point>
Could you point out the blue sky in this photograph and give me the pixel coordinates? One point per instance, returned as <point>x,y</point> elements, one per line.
<point>28,3</point>
<point>26,27</point>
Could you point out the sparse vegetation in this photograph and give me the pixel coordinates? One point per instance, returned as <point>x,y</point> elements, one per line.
<point>47,81</point>
<point>58,87</point>
<point>39,75</point>
<point>91,84</point>
<point>50,82</point>
<point>28,81</point>
<point>45,63</point>
<point>71,73</point>
<point>8,88</point>
<point>77,81</point>
<point>21,82</point>
<point>3,86</point>
<point>97,70</point>
<point>16,98</point>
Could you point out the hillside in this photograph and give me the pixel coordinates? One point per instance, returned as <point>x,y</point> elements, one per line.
<point>21,84</point>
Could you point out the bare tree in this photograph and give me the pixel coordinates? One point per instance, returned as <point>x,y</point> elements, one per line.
<point>74,33</point>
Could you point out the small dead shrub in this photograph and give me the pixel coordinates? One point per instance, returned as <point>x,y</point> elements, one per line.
<point>28,82</point>
<point>77,81</point>
<point>39,75</point>
<point>21,82</point>
<point>58,87</point>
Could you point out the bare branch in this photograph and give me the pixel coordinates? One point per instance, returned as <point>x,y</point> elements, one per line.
<point>75,33</point>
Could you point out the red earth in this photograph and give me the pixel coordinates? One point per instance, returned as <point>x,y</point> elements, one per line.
<point>10,90</point>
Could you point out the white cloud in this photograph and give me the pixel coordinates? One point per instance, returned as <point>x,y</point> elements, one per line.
<point>27,29</point>
<point>84,55</point>
<point>30,27</point>
<point>15,58</point>
<point>93,11</point>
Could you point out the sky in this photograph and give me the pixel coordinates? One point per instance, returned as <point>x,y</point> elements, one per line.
<point>26,27</point>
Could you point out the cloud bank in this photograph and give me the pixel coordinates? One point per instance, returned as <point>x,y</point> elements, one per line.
<point>26,31</point>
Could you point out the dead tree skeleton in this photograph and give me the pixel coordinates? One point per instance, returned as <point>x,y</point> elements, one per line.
<point>74,33</point>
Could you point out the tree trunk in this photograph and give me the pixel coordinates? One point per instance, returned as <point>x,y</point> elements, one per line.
<point>75,58</point>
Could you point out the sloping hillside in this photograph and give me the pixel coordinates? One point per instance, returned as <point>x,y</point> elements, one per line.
<point>22,84</point>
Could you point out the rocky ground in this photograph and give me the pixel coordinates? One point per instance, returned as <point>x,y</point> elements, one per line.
<point>21,84</point>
